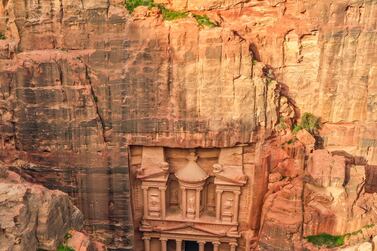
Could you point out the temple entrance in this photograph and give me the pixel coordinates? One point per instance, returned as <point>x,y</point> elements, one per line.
<point>191,246</point>
<point>208,246</point>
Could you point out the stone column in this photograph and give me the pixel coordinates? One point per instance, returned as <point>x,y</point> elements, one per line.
<point>147,243</point>
<point>184,203</point>
<point>163,202</point>
<point>216,245</point>
<point>236,206</point>
<point>163,243</point>
<point>233,246</point>
<point>201,245</point>
<point>145,198</point>
<point>218,204</point>
<point>197,208</point>
<point>178,243</point>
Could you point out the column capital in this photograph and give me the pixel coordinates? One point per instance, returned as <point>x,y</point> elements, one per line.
<point>201,242</point>
<point>146,238</point>
<point>234,244</point>
<point>216,243</point>
<point>162,188</point>
<point>163,239</point>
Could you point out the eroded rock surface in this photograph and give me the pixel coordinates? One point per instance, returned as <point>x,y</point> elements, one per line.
<point>81,81</point>
<point>33,217</point>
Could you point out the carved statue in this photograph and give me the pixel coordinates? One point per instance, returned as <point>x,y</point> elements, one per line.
<point>228,205</point>
<point>154,200</point>
<point>191,204</point>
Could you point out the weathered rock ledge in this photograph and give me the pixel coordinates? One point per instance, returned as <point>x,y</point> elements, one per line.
<point>33,217</point>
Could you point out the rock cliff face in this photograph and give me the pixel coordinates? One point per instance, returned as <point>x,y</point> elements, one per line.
<point>33,217</point>
<point>81,81</point>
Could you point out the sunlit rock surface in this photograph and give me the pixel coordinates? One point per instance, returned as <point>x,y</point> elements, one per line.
<point>81,81</point>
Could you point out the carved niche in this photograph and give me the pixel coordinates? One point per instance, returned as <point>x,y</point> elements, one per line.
<point>153,173</point>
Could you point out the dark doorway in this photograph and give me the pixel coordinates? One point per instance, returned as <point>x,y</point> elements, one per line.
<point>208,246</point>
<point>191,246</point>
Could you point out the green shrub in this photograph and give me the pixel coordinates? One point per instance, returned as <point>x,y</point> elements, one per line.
<point>2,36</point>
<point>131,5</point>
<point>310,122</point>
<point>370,226</point>
<point>332,241</point>
<point>296,128</point>
<point>62,247</point>
<point>291,141</point>
<point>67,236</point>
<point>326,240</point>
<point>170,15</point>
<point>167,14</point>
<point>203,20</point>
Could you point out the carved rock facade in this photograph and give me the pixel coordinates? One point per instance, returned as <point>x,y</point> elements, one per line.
<point>199,197</point>
<point>82,81</point>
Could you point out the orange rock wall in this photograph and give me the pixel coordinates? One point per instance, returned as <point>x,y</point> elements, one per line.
<point>80,81</point>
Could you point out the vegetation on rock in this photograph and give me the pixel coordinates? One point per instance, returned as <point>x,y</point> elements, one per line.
<point>131,5</point>
<point>2,36</point>
<point>168,14</point>
<point>64,246</point>
<point>326,240</point>
<point>203,20</point>
<point>332,241</point>
<point>308,122</point>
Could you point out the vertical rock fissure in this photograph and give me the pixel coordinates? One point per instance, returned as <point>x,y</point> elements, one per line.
<point>265,102</point>
<point>61,79</point>
<point>170,64</point>
<point>13,120</point>
<point>303,200</point>
<point>95,100</point>
<point>61,12</point>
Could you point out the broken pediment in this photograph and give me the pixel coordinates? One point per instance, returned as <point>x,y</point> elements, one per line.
<point>229,169</point>
<point>153,165</point>
<point>229,175</point>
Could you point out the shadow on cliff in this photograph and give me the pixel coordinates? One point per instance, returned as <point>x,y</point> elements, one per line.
<point>269,73</point>
<point>350,161</point>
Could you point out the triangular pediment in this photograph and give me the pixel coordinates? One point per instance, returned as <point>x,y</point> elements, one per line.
<point>193,230</point>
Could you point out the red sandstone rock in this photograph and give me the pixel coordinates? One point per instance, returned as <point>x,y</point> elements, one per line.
<point>32,217</point>
<point>81,242</point>
<point>81,81</point>
<point>305,138</point>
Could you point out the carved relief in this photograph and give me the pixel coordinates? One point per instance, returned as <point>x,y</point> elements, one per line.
<point>191,204</point>
<point>188,194</point>
<point>154,204</point>
<point>227,207</point>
